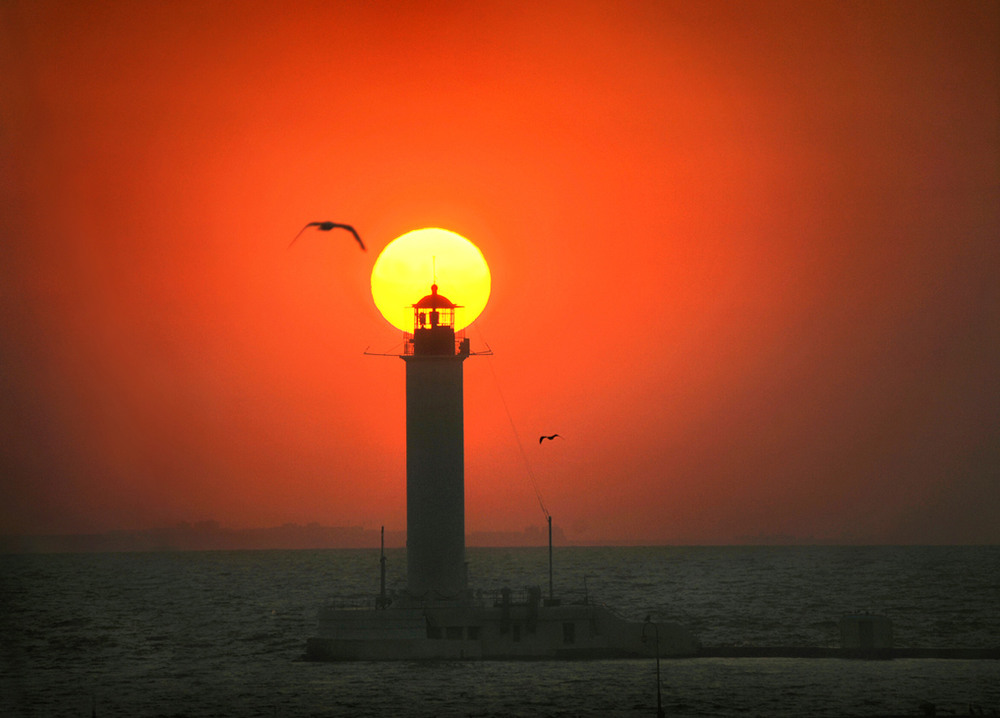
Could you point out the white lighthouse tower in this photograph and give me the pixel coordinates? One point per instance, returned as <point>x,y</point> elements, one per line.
<point>435,453</point>
<point>437,616</point>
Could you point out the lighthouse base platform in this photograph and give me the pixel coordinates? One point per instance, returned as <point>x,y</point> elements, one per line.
<point>470,630</point>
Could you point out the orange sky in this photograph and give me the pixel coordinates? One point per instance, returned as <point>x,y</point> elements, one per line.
<point>744,260</point>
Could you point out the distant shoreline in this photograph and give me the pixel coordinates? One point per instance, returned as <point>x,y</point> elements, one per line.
<point>211,536</point>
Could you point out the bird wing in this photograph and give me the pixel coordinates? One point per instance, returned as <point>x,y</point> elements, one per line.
<point>311,224</point>
<point>353,231</point>
<point>358,237</point>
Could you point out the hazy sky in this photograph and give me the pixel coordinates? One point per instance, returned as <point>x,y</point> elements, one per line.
<point>744,256</point>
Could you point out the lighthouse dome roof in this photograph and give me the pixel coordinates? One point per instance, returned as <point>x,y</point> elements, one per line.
<point>435,301</point>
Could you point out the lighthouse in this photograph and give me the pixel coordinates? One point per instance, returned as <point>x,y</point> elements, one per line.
<point>437,616</point>
<point>435,453</point>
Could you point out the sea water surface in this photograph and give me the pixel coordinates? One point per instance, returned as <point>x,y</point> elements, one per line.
<point>223,633</point>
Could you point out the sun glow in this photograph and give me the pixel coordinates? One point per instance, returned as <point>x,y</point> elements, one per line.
<point>409,264</point>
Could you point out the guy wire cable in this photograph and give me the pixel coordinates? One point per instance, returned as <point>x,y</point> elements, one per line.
<point>517,438</point>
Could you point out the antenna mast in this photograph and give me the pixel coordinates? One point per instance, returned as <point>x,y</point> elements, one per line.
<point>382,603</point>
<point>548,516</point>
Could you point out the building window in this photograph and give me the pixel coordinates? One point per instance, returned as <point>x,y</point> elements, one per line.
<point>569,633</point>
<point>473,632</point>
<point>453,633</point>
<point>516,635</point>
<point>433,631</point>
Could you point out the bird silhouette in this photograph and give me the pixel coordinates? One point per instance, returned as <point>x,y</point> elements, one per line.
<point>542,438</point>
<point>326,227</point>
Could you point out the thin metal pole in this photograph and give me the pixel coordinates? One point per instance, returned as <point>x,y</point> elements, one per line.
<point>656,634</point>
<point>659,700</point>
<point>381,592</point>
<point>549,517</point>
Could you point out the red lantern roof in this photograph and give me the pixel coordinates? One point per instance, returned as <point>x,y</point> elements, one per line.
<point>435,301</point>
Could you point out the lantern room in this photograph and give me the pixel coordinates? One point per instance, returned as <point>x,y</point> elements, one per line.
<point>434,327</point>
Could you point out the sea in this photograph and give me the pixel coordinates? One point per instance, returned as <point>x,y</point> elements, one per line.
<point>223,633</point>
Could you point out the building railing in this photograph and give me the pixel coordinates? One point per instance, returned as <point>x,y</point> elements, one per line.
<point>408,343</point>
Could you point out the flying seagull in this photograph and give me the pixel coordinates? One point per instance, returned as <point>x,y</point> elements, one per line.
<point>326,227</point>
<point>542,438</point>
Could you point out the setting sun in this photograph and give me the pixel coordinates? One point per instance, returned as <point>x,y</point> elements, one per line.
<point>406,268</point>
